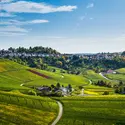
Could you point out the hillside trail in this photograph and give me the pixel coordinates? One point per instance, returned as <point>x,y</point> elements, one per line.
<point>104,76</point>
<point>59,114</point>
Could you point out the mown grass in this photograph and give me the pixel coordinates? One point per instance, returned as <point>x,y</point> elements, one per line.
<point>95,110</point>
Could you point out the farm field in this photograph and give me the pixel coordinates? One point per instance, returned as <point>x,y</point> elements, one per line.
<point>20,109</point>
<point>122,70</point>
<point>94,77</point>
<point>120,76</point>
<point>16,74</point>
<point>94,110</point>
<point>63,79</point>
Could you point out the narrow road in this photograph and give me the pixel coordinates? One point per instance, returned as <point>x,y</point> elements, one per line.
<point>21,85</point>
<point>59,114</point>
<point>90,82</point>
<point>103,76</point>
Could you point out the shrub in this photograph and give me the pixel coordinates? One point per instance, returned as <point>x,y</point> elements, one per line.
<point>106,93</point>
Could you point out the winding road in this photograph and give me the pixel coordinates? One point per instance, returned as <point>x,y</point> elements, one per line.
<point>103,76</point>
<point>59,114</point>
<point>21,84</point>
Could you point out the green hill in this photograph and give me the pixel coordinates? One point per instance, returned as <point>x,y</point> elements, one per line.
<point>12,75</point>
<point>119,76</point>
<point>94,110</point>
<point>16,108</point>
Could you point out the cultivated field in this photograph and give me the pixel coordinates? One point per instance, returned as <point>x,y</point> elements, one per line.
<point>96,110</point>
<point>16,108</point>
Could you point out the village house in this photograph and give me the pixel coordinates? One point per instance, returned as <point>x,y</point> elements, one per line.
<point>111,71</point>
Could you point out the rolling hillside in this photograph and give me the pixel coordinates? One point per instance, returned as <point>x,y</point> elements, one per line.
<point>94,110</point>
<point>18,108</point>
<point>119,76</point>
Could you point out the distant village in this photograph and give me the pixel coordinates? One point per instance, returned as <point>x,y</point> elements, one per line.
<point>58,90</point>
<point>97,56</point>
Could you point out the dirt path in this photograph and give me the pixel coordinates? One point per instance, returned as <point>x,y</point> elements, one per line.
<point>21,84</point>
<point>90,82</point>
<point>103,76</point>
<point>59,114</point>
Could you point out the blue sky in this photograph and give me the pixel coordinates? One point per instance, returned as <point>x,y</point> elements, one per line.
<point>70,26</point>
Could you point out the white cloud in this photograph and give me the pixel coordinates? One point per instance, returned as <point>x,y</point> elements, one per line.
<point>12,29</point>
<point>11,34</point>
<point>16,22</point>
<point>33,7</point>
<point>38,21</point>
<point>5,1</point>
<point>90,5</point>
<point>6,15</point>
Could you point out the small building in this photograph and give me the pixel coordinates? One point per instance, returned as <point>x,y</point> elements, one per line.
<point>47,89</point>
<point>111,71</point>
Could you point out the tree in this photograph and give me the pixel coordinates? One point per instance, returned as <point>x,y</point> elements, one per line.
<point>106,93</point>
<point>69,87</point>
<point>123,54</point>
<point>58,85</point>
<point>59,64</point>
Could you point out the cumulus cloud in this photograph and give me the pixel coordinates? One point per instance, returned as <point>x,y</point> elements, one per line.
<point>33,7</point>
<point>90,5</point>
<point>16,22</point>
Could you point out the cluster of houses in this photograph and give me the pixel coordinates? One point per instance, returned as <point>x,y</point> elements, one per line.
<point>98,56</point>
<point>55,90</point>
<point>6,53</point>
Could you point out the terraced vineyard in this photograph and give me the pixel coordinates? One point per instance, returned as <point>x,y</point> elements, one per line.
<point>22,110</point>
<point>94,110</point>
<point>18,108</point>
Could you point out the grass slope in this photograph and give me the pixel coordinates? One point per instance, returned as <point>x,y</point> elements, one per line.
<point>20,109</point>
<point>17,108</point>
<point>98,110</point>
<point>15,75</point>
<point>95,77</point>
<point>64,79</point>
<point>119,76</point>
